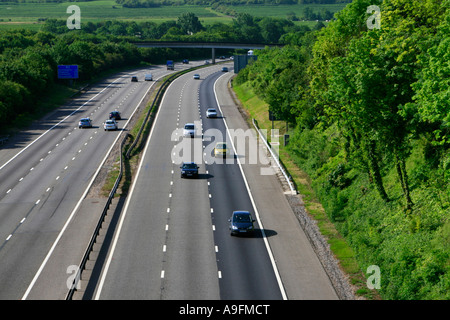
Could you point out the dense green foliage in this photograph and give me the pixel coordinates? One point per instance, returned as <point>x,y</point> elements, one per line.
<point>371,113</point>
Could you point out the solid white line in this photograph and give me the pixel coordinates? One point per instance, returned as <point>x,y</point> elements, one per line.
<point>266,242</point>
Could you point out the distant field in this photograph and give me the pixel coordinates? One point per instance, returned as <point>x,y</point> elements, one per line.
<point>30,15</point>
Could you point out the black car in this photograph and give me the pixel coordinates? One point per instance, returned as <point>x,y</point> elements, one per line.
<point>115,115</point>
<point>241,222</point>
<point>134,79</point>
<point>189,169</point>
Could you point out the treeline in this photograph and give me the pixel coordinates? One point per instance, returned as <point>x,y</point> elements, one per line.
<point>29,61</point>
<point>371,112</point>
<point>158,3</point>
<point>243,28</point>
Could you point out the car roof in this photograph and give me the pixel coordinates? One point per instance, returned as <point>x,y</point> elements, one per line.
<point>241,212</point>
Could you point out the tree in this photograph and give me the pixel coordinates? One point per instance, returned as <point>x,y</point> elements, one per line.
<point>432,90</point>
<point>247,29</point>
<point>189,23</point>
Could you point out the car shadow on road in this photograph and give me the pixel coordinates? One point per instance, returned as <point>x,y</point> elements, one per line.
<point>205,176</point>
<point>261,233</point>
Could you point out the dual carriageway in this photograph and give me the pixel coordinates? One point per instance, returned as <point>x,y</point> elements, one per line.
<point>171,240</point>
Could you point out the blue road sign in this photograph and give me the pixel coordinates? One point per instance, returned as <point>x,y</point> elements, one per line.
<point>68,72</point>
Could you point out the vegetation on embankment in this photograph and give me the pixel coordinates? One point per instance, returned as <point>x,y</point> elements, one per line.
<point>369,111</point>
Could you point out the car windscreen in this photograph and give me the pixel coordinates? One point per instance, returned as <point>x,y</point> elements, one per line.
<point>189,127</point>
<point>241,218</point>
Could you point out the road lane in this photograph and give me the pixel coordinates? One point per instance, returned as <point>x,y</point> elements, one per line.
<point>246,270</point>
<point>44,179</point>
<point>166,245</point>
<point>165,233</point>
<point>301,272</point>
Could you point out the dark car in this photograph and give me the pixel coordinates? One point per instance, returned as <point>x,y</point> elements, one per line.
<point>189,169</point>
<point>241,222</point>
<point>134,79</point>
<point>224,69</point>
<point>185,61</point>
<point>115,115</point>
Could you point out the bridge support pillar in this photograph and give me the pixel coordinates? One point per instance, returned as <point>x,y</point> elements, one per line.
<point>213,53</point>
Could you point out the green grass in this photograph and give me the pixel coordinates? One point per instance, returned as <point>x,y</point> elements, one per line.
<point>281,11</point>
<point>31,15</point>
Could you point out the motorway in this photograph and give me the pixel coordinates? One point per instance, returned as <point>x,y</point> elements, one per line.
<point>172,239</point>
<point>46,220</point>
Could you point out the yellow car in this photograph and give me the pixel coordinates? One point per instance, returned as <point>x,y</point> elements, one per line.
<point>221,150</point>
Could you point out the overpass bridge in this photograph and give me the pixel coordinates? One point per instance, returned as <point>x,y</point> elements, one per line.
<point>205,45</point>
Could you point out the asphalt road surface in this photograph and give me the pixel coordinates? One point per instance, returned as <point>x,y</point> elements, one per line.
<point>173,240</point>
<point>45,172</point>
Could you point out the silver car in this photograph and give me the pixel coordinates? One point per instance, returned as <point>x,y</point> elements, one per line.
<point>85,123</point>
<point>110,125</point>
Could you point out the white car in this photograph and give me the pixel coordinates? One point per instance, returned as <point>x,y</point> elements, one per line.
<point>110,125</point>
<point>211,113</point>
<point>196,76</point>
<point>148,77</point>
<point>189,130</point>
